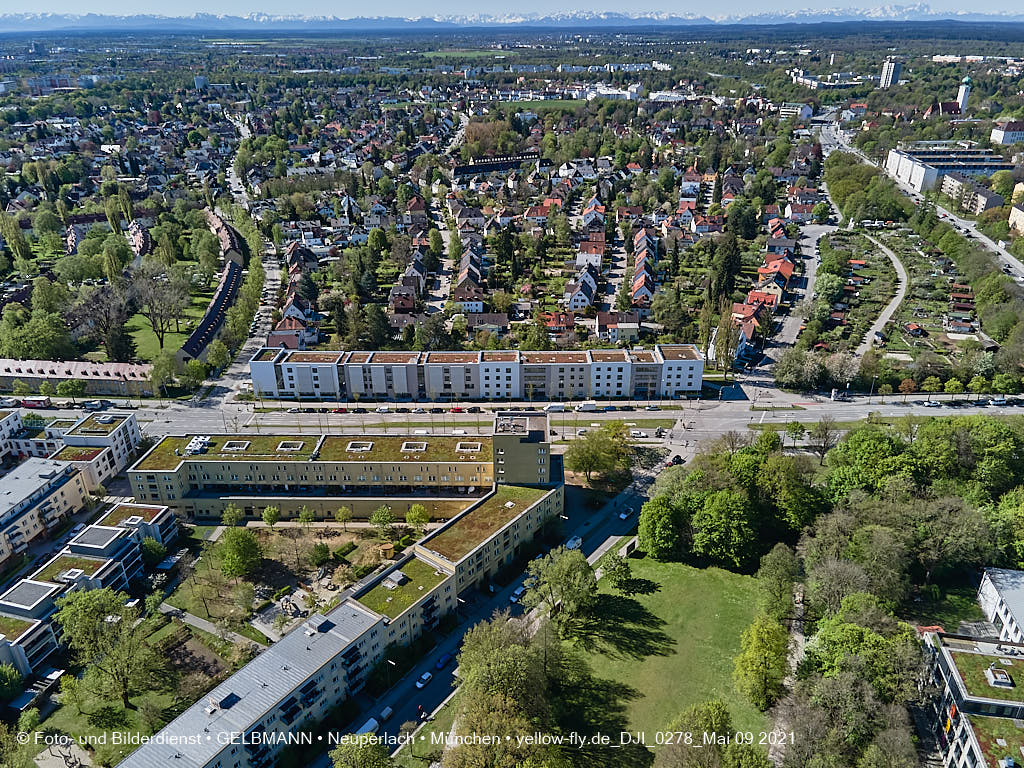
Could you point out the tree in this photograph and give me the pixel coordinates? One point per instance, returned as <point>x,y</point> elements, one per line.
<point>907,387</point>
<point>382,518</point>
<point>617,569</point>
<point>417,518</point>
<point>271,516</point>
<point>931,385</point>
<point>795,431</point>
<point>153,552</point>
<point>659,531</point>
<point>343,516</point>
<point>240,552</point>
<point>824,435</point>
<point>600,451</point>
<point>761,664</point>
<point>722,528</point>
<point>103,631</point>
<point>779,569</point>
<point>194,374</point>
<point>72,388</point>
<point>708,717</point>
<point>10,682</point>
<point>361,753</point>
<point>217,355</point>
<point>45,388</point>
<point>319,554</point>
<point>162,372</point>
<point>162,300</point>
<point>954,387</point>
<point>561,578</point>
<point>232,515</point>
<point>821,212</point>
<point>20,388</point>
<point>979,385</point>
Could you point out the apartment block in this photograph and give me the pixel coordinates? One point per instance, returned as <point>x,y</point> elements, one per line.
<point>969,194</point>
<point>34,497</point>
<point>492,375</point>
<point>199,475</point>
<point>981,703</point>
<point>100,445</point>
<point>921,166</point>
<point>1011,132</point>
<point>104,555</point>
<point>298,680</point>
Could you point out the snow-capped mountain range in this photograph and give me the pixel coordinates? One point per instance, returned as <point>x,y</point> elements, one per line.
<point>43,22</point>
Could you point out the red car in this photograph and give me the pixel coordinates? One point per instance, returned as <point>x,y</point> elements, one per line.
<point>456,409</point>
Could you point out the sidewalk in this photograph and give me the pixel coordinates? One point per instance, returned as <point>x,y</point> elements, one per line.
<point>203,624</point>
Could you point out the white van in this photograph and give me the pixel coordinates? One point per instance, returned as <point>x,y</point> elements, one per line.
<point>588,406</point>
<point>370,726</point>
<point>555,407</point>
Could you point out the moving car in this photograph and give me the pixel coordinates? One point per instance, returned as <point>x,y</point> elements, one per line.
<point>424,680</point>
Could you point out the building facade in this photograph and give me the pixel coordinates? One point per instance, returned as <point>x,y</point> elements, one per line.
<point>922,166</point>
<point>35,497</point>
<point>490,375</point>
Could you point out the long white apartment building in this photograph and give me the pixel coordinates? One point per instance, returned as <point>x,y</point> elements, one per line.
<point>664,371</point>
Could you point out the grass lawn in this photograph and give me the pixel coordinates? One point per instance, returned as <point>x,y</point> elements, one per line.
<point>958,604</point>
<point>420,754</point>
<point>675,645</point>
<point>543,106</point>
<point>147,347</point>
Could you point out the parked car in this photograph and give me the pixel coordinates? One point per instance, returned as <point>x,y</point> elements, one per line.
<point>514,597</point>
<point>932,404</point>
<point>998,400</point>
<point>574,543</point>
<point>626,513</point>
<point>381,409</point>
<point>652,407</point>
<point>424,680</point>
<point>419,410</point>
<point>9,402</point>
<point>444,661</point>
<point>474,409</point>
<point>675,461</point>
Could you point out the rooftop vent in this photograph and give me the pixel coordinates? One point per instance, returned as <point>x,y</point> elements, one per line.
<point>359,446</point>
<point>412,446</point>
<point>71,574</point>
<point>236,445</point>
<point>290,445</point>
<point>464,447</point>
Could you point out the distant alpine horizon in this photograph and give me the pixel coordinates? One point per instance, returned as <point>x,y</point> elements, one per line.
<point>103,15</point>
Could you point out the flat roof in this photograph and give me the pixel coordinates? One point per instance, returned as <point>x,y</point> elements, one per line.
<point>266,353</point>
<point>13,627</point>
<point>170,451</point>
<point>358,357</point>
<point>609,356</point>
<point>99,424</point>
<point>312,357</point>
<point>97,536</point>
<point>567,358</point>
<point>121,512</point>
<point>396,358</point>
<point>478,523</point>
<point>642,356</point>
<point>392,596</point>
<point>500,357</point>
<point>27,593</point>
<point>990,731</point>
<point>78,453</point>
<point>444,358</point>
<point>679,352</point>
<point>61,563</point>
<point>259,687</point>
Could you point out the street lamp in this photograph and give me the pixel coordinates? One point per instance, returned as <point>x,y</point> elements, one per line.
<point>871,391</point>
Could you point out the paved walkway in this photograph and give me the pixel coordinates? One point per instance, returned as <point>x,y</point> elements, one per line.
<point>797,643</point>
<point>886,314</point>
<point>207,626</point>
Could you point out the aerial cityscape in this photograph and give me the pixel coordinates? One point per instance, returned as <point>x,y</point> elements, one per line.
<point>541,387</point>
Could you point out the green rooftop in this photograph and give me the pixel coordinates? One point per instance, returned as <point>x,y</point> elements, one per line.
<point>972,666</point>
<point>393,602</point>
<point>66,562</point>
<point>93,425</point>
<point>989,729</point>
<point>170,451</point>
<point>122,512</point>
<point>475,525</point>
<point>78,453</point>
<point>12,627</point>
<point>466,448</point>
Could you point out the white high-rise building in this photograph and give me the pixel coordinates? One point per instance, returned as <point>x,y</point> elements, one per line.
<point>890,73</point>
<point>963,94</point>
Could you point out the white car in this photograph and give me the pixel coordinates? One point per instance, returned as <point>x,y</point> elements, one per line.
<point>574,543</point>
<point>514,597</point>
<point>932,404</point>
<point>10,402</point>
<point>424,680</point>
<point>381,409</point>
<point>626,513</point>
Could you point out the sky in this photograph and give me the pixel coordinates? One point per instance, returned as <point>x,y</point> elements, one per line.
<point>412,8</point>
